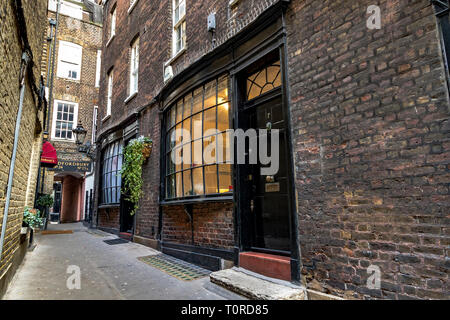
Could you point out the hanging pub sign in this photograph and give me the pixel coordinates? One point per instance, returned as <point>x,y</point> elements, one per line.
<point>72,166</point>
<point>49,158</point>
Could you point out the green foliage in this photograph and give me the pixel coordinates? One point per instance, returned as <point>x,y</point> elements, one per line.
<point>45,200</point>
<point>32,218</point>
<point>132,170</point>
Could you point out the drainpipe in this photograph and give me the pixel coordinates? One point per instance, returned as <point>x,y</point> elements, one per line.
<point>25,60</point>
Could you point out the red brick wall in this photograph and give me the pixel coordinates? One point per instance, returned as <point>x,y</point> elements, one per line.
<point>109,218</point>
<point>213,225</point>
<point>371,147</point>
<point>147,217</point>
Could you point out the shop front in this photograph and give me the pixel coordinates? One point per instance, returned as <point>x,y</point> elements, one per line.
<point>223,202</point>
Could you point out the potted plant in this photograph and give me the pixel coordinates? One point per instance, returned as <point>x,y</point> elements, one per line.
<point>135,153</point>
<point>44,202</point>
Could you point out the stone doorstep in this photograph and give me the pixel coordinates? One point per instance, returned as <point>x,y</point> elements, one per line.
<point>255,287</point>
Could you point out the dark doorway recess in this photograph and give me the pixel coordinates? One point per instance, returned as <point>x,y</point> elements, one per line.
<point>126,219</point>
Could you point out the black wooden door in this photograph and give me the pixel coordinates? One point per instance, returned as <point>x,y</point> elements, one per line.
<point>268,195</point>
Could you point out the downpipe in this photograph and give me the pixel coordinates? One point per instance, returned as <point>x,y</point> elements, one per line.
<point>23,71</point>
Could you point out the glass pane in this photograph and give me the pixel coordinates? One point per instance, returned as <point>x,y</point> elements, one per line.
<point>210,94</point>
<point>187,106</point>
<point>66,108</point>
<point>253,90</point>
<point>209,151</point>
<point>113,195</point>
<point>180,110</point>
<point>179,185</point>
<point>172,116</point>
<point>179,134</point>
<point>197,126</point>
<point>178,158</point>
<point>60,107</point>
<point>209,120</point>
<point>187,183</point>
<point>198,100</point>
<point>59,116</point>
<point>186,130</point>
<point>197,176</point>
<point>223,90</point>
<point>223,120</point>
<point>170,187</point>
<point>187,156</point>
<point>224,148</point>
<point>211,179</point>
<point>225,184</point>
<point>170,163</point>
<point>197,153</point>
<point>171,138</point>
<point>273,74</point>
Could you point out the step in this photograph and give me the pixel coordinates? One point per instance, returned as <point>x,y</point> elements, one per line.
<point>256,287</point>
<point>270,265</point>
<point>126,236</point>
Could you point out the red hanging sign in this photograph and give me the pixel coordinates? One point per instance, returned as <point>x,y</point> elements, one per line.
<point>49,158</point>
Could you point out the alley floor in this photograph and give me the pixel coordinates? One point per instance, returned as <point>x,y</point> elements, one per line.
<point>109,272</point>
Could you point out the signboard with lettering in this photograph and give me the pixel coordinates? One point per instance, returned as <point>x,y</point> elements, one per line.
<point>72,166</point>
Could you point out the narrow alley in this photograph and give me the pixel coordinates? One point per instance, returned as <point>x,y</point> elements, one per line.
<point>108,272</point>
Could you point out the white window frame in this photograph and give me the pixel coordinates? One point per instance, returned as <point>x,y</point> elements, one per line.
<point>65,60</point>
<point>112,30</point>
<point>178,24</point>
<point>132,5</point>
<point>94,124</point>
<point>98,68</point>
<point>55,113</point>
<point>134,68</point>
<point>109,94</point>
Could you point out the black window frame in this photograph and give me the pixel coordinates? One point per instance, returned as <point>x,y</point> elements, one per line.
<point>168,128</point>
<point>106,157</point>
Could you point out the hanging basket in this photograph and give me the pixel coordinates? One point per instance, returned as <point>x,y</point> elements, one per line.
<point>147,150</point>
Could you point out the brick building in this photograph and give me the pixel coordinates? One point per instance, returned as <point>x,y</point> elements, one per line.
<point>76,82</point>
<point>22,30</point>
<point>362,114</point>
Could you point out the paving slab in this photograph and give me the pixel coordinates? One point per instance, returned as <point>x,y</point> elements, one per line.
<point>256,288</point>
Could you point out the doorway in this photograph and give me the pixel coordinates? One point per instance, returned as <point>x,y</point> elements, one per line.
<point>265,200</point>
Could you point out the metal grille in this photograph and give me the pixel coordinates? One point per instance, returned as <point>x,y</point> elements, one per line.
<point>176,268</point>
<point>115,241</point>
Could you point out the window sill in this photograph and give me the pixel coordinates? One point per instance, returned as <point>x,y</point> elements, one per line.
<point>63,140</point>
<point>110,40</point>
<point>109,206</point>
<point>69,79</point>
<point>131,97</point>
<point>225,198</point>
<point>175,57</point>
<point>132,6</point>
<point>106,118</point>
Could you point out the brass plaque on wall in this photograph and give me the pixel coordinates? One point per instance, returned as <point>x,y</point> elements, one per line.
<point>273,187</point>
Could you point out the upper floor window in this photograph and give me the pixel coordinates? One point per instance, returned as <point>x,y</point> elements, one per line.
<point>112,31</point>
<point>179,25</point>
<point>65,117</point>
<point>110,93</point>
<point>98,68</point>
<point>69,60</point>
<point>94,124</point>
<point>132,4</point>
<point>134,67</point>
